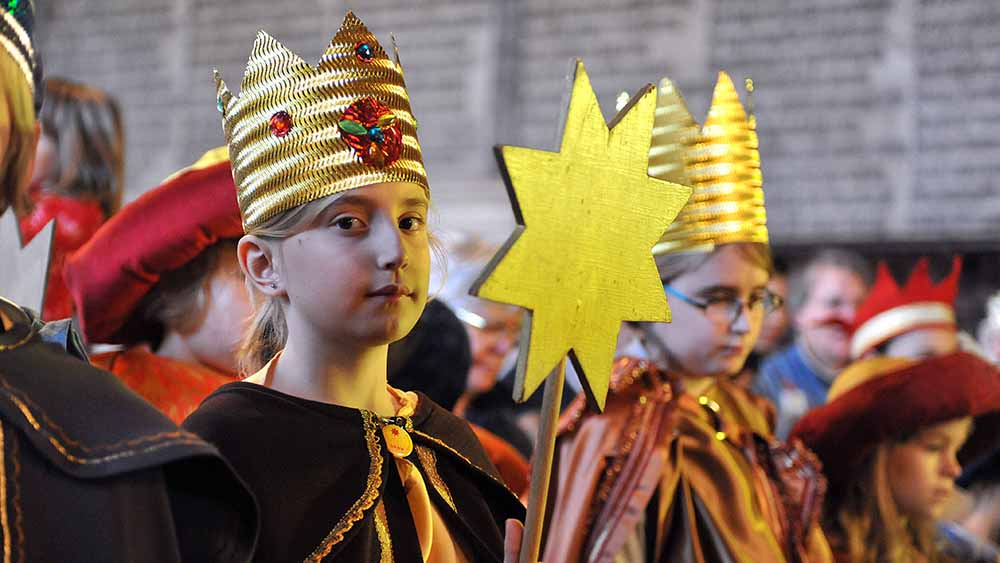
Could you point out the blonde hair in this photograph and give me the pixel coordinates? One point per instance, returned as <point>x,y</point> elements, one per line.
<point>267,332</point>
<point>19,113</point>
<point>862,519</point>
<point>85,124</point>
<point>673,265</point>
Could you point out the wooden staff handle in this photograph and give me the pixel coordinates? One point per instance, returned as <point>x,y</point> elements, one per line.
<point>541,464</point>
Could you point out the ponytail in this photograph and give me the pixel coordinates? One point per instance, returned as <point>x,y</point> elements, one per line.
<point>265,336</point>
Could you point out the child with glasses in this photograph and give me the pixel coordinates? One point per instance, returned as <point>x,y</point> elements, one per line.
<point>682,465</point>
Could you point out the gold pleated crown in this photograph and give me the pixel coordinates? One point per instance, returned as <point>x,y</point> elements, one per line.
<point>17,22</point>
<point>719,160</point>
<point>298,133</point>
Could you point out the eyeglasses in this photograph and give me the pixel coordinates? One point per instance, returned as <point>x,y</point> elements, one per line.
<point>727,309</point>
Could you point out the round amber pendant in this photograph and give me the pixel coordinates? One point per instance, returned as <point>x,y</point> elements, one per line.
<point>397,440</point>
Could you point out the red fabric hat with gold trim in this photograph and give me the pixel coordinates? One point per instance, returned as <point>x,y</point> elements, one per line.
<point>891,310</point>
<point>882,399</point>
<point>159,232</point>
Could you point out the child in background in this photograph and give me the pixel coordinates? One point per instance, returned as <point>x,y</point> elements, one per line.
<point>892,438</point>
<point>77,178</point>
<point>161,278</point>
<point>89,471</point>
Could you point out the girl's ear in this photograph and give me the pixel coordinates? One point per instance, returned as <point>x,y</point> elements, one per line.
<point>257,260</point>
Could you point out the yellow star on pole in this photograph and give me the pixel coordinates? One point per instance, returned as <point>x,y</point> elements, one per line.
<point>581,258</point>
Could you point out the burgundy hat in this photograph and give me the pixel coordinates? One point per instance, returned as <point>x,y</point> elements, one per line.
<point>882,399</point>
<point>161,231</point>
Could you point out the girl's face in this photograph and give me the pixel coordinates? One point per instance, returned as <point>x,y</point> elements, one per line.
<point>698,344</point>
<point>922,470</point>
<point>359,274</point>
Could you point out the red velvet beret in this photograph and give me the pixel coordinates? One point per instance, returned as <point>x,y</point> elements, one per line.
<point>161,231</point>
<point>889,398</point>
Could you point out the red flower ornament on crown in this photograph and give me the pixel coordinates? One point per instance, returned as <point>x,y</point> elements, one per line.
<point>372,130</point>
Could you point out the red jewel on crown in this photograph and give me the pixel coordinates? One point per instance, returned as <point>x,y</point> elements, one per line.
<point>372,130</point>
<point>281,124</point>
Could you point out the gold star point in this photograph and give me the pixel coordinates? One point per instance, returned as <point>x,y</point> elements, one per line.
<point>581,258</point>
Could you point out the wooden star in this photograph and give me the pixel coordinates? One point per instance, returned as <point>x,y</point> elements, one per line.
<point>581,258</point>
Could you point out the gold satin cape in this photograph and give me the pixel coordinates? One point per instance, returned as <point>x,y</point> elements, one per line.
<point>656,443</point>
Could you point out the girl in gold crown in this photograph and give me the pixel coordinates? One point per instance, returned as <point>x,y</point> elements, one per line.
<point>681,466</point>
<point>334,201</point>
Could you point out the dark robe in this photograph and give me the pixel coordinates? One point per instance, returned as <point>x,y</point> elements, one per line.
<point>91,472</point>
<point>329,490</point>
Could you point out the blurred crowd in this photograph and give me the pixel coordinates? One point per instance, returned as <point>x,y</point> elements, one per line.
<point>862,369</point>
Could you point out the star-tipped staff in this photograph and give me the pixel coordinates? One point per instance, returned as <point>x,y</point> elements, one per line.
<point>580,260</point>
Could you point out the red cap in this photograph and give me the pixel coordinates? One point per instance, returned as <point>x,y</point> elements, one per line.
<point>161,231</point>
<point>881,399</point>
<point>890,310</point>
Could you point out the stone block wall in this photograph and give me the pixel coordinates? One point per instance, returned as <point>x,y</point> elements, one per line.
<point>879,119</point>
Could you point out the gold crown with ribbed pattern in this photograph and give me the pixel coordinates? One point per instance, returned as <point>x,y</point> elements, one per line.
<point>298,133</point>
<point>720,160</point>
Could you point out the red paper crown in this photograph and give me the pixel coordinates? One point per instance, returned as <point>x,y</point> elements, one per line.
<point>890,310</point>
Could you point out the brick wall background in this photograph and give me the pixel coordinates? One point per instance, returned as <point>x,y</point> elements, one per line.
<point>879,119</point>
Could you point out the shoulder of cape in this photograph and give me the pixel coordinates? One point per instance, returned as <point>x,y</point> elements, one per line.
<point>83,419</point>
